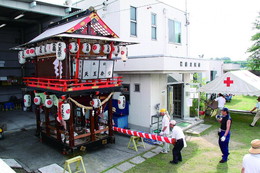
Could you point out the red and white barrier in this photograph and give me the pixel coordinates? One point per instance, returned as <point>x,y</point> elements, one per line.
<point>145,135</point>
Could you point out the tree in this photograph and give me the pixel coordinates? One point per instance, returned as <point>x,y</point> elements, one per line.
<point>254,58</point>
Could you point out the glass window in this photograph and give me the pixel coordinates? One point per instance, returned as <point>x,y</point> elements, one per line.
<point>174,29</point>
<point>154,27</point>
<point>133,21</point>
<point>171,30</point>
<point>177,32</point>
<point>137,87</point>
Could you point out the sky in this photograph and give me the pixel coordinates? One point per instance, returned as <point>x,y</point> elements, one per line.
<point>218,28</point>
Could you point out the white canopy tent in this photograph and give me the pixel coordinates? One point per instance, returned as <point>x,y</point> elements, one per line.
<point>235,82</point>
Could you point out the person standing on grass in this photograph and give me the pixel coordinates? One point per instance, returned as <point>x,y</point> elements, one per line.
<point>257,115</point>
<point>165,129</point>
<point>224,134</point>
<point>221,102</point>
<point>179,136</point>
<point>251,161</point>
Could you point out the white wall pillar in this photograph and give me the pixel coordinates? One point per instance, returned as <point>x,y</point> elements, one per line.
<point>186,98</point>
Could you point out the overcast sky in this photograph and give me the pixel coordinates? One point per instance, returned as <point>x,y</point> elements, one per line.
<point>218,28</point>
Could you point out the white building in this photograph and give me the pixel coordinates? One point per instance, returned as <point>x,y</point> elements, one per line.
<point>158,70</point>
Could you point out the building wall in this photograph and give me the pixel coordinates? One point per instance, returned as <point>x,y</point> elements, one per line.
<point>117,17</point>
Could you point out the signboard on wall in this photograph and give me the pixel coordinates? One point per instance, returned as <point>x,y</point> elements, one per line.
<point>96,69</point>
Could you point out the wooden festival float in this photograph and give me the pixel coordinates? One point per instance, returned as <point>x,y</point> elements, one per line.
<point>74,82</point>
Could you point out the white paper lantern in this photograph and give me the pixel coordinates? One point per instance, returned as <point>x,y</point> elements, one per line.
<point>96,48</point>
<point>106,48</point>
<point>86,47</point>
<point>116,50</point>
<point>123,53</point>
<point>27,100</point>
<point>60,51</point>
<point>74,47</point>
<point>121,102</point>
<point>42,50</point>
<point>37,51</point>
<point>96,103</point>
<point>26,53</point>
<point>21,58</point>
<point>65,111</point>
<point>48,48</point>
<point>32,52</point>
<point>53,48</point>
<point>37,100</point>
<point>48,103</point>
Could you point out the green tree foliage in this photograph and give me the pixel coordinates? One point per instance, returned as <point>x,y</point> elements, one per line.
<point>254,58</point>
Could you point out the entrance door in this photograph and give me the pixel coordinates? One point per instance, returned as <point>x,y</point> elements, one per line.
<point>175,100</point>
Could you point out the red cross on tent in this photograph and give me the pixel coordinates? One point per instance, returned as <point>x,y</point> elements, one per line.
<point>228,81</point>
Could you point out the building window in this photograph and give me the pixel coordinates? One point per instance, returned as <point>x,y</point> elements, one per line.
<point>198,64</point>
<point>213,74</point>
<point>181,63</point>
<point>174,28</point>
<point>186,64</point>
<point>133,21</point>
<point>137,88</point>
<point>195,64</point>
<point>154,27</point>
<point>191,64</point>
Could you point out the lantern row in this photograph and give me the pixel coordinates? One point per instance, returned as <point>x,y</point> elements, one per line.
<point>59,49</point>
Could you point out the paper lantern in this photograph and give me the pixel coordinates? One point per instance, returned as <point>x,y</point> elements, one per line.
<point>106,48</point>
<point>37,51</point>
<point>48,48</point>
<point>65,111</point>
<point>27,100</point>
<point>116,50</point>
<point>60,51</point>
<point>32,52</point>
<point>96,103</point>
<point>86,47</point>
<point>37,100</point>
<point>121,102</point>
<point>21,58</point>
<point>96,48</point>
<point>42,50</point>
<point>74,47</point>
<point>48,103</point>
<point>123,53</point>
<point>53,48</point>
<point>26,53</point>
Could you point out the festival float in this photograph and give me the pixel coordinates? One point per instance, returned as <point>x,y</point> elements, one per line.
<point>74,81</point>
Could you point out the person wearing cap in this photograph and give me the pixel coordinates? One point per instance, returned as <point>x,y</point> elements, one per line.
<point>251,161</point>
<point>179,136</point>
<point>221,102</point>
<point>224,134</point>
<point>165,129</point>
<point>257,115</point>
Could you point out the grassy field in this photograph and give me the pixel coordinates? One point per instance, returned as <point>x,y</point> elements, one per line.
<point>203,153</point>
<point>242,102</point>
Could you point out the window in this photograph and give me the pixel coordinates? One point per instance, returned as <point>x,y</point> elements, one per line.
<point>154,27</point>
<point>174,28</point>
<point>181,63</point>
<point>133,21</point>
<point>186,64</point>
<point>213,75</point>
<point>191,64</point>
<point>137,87</point>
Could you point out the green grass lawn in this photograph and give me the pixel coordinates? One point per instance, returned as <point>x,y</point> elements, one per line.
<point>203,153</point>
<point>242,102</point>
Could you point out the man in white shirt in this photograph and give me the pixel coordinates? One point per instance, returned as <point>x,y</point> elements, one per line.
<point>179,136</point>
<point>221,102</point>
<point>165,129</point>
<point>257,116</point>
<point>251,161</point>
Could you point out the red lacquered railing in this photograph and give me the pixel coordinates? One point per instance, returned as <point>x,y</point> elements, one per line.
<point>66,85</point>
